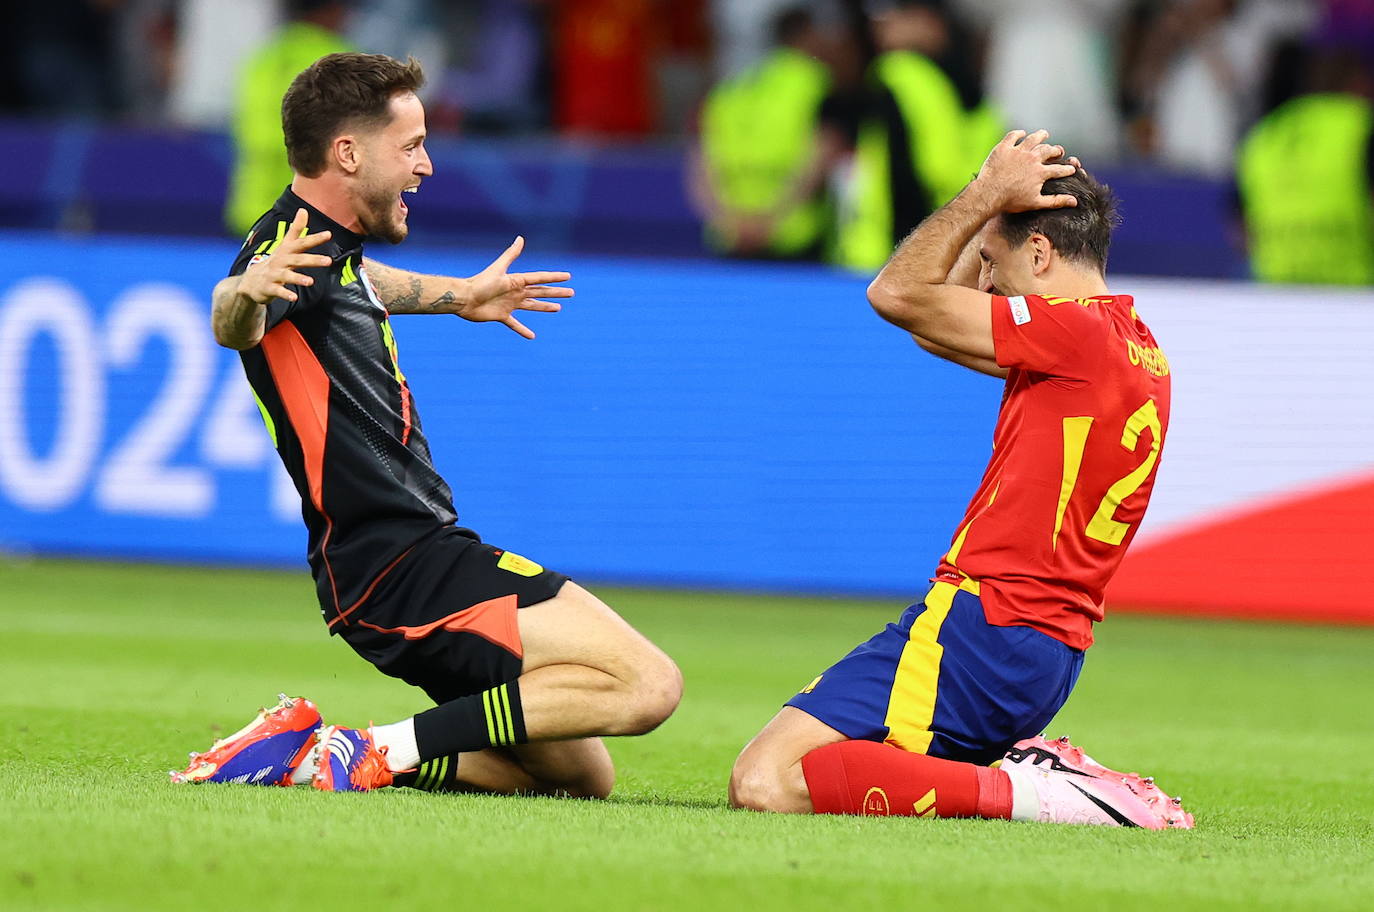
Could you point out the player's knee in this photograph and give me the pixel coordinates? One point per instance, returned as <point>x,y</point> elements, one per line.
<point>757,787</point>
<point>657,690</point>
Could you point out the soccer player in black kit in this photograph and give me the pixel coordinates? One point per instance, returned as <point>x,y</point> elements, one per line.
<point>527,668</point>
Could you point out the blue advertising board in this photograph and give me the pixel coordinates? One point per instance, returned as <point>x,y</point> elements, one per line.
<point>681,422</point>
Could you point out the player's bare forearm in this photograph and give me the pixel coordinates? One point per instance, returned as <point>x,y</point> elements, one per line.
<point>406,292</point>
<point>917,291</point>
<point>237,320</point>
<point>930,252</point>
<point>490,296</point>
<point>972,362</point>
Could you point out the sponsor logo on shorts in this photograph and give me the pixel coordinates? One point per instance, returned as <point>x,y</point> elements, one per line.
<point>1020,310</point>
<point>522,566</point>
<point>875,803</point>
<point>812,686</point>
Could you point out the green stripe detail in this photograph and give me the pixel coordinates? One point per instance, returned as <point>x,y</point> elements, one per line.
<point>443,772</point>
<point>491,719</point>
<point>266,418</point>
<point>422,781</point>
<point>348,276</point>
<point>504,694</point>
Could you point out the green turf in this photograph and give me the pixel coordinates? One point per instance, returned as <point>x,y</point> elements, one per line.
<point>109,674</point>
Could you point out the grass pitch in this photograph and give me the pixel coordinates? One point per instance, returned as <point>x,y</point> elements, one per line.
<point>110,674</point>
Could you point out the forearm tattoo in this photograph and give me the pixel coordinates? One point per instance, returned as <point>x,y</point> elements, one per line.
<point>405,292</point>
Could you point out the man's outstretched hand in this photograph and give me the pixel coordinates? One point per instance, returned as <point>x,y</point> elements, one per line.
<point>1017,168</point>
<point>495,294</point>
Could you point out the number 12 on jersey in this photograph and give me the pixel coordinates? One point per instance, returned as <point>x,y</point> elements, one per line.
<point>1103,526</point>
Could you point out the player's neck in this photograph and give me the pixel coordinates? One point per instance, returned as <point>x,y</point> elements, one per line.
<point>1073,283</point>
<point>328,196</point>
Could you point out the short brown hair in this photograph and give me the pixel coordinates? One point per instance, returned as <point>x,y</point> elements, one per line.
<point>334,91</point>
<point>1081,233</point>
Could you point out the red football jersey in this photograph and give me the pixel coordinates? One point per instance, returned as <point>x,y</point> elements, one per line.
<point>1074,457</point>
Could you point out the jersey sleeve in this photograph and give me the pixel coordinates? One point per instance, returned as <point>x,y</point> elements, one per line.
<point>1058,336</point>
<point>261,240</point>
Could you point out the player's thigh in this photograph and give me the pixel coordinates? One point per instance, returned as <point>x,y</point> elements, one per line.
<point>581,767</point>
<point>577,628</point>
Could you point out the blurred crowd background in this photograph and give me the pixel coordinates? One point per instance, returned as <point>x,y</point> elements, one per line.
<point>821,130</point>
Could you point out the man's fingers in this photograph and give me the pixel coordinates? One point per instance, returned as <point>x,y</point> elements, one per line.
<point>1045,151</point>
<point>1061,201</point>
<point>306,261</point>
<point>294,243</point>
<point>510,253</point>
<point>548,291</point>
<point>1013,137</point>
<point>1073,160</point>
<point>1062,170</point>
<point>540,278</point>
<point>280,291</point>
<point>542,306</point>
<point>298,223</point>
<point>1034,139</point>
<point>518,327</point>
<point>295,278</point>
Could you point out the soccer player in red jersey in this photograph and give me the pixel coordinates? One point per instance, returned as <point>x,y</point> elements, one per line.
<point>908,722</point>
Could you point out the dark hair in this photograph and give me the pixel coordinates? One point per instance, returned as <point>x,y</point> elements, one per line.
<point>334,91</point>
<point>1081,233</point>
<point>792,24</point>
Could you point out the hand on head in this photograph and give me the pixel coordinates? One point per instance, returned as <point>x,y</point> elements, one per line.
<point>1016,170</point>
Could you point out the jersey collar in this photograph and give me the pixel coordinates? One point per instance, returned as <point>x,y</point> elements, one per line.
<point>289,202</point>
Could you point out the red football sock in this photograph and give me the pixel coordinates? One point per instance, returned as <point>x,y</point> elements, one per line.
<point>864,777</point>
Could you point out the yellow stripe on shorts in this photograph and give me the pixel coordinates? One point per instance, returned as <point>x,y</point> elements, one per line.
<point>911,706</point>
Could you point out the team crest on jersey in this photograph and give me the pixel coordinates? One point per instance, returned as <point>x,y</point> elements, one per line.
<point>257,258</point>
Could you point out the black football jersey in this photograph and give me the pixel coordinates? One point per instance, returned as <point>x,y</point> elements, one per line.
<point>329,384</point>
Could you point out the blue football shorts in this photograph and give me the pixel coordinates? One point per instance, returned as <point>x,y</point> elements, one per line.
<point>943,681</point>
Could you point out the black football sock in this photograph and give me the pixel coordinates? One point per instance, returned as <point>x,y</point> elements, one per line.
<point>437,775</point>
<point>492,718</point>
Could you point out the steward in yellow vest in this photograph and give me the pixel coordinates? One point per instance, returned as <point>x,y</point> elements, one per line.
<point>758,179</point>
<point>260,170</point>
<point>912,153</point>
<point>1304,175</point>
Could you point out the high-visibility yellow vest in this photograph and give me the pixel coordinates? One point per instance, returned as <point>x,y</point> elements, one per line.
<point>260,169</point>
<point>1305,192</point>
<point>984,127</point>
<point>936,126</point>
<point>758,134</point>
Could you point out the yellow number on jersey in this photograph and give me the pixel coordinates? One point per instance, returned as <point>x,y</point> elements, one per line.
<point>1102,526</point>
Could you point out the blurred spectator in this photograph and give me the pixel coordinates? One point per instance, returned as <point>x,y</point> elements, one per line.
<point>1306,171</point>
<point>911,154</point>
<point>1049,66</point>
<point>147,43</point>
<point>744,32</point>
<point>260,170</point>
<point>213,39</point>
<point>1200,75</point>
<point>496,87</point>
<point>757,174</point>
<point>63,57</point>
<point>603,54</point>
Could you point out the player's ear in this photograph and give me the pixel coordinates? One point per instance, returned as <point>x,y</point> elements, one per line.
<point>1042,253</point>
<point>346,152</point>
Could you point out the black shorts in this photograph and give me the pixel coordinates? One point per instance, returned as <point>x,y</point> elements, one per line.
<point>443,616</point>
